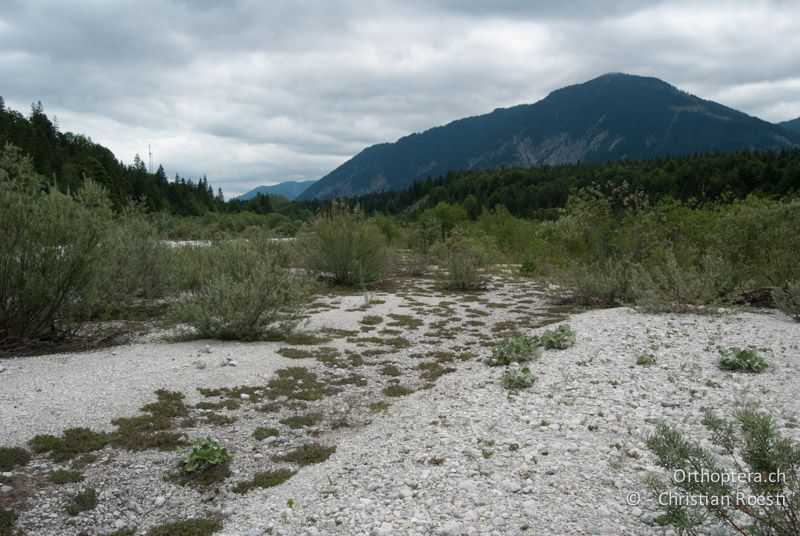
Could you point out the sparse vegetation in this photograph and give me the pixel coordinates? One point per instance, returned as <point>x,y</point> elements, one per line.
<point>266,479</point>
<point>645,359</point>
<point>188,527</point>
<point>73,441</point>
<point>308,454</point>
<point>742,360</point>
<point>62,476</point>
<point>7,519</point>
<point>396,390</point>
<point>261,433</point>
<point>464,260</point>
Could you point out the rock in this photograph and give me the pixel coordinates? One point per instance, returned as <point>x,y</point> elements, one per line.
<point>207,349</point>
<point>120,524</point>
<point>159,501</point>
<point>199,365</point>
<point>244,396</point>
<point>227,512</point>
<point>384,530</point>
<point>529,507</point>
<point>2,369</point>
<point>451,528</point>
<point>498,521</point>
<point>669,404</point>
<point>255,532</point>
<point>648,518</point>
<point>6,489</point>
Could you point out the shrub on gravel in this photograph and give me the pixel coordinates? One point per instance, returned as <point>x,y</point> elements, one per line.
<point>518,379</point>
<point>11,457</point>
<point>341,245</point>
<point>65,477</point>
<point>395,390</point>
<point>742,360</point>
<point>254,295</point>
<point>518,349</point>
<point>559,338</point>
<point>73,441</point>
<point>751,445</point>
<point>464,261</point>
<point>82,502</point>
<point>206,452</point>
<point>645,359</point>
<point>787,299</point>
<point>188,527</point>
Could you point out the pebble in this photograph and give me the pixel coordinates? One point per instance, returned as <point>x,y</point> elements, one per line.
<point>159,501</point>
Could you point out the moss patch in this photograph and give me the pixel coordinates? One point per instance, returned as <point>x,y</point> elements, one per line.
<point>308,454</point>
<point>65,477</point>
<point>263,433</point>
<point>73,441</point>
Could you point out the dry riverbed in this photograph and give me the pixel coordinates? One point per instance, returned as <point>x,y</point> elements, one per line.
<point>391,425</point>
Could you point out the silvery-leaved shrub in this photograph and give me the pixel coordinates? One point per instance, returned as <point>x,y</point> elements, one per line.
<point>341,245</point>
<point>50,251</point>
<point>519,349</point>
<point>253,293</point>
<point>464,260</point>
<point>742,360</point>
<point>518,378</point>
<point>787,299</point>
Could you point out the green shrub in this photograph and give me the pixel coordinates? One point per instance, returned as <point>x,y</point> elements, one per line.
<point>253,295</point>
<point>206,453</point>
<point>82,502</point>
<point>518,379</point>
<point>601,283</point>
<point>308,454</point>
<point>464,261</point>
<point>11,457</point>
<point>341,245</point>
<point>266,479</point>
<point>787,299</point>
<point>559,338</point>
<point>49,250</point>
<point>65,477</point>
<point>519,349</point>
<point>742,359</point>
<point>749,445</point>
<point>7,520</point>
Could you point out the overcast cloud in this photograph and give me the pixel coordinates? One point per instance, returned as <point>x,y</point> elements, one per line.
<point>252,92</point>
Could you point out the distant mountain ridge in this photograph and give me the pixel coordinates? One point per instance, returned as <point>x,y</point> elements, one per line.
<point>793,125</point>
<point>289,189</point>
<point>615,116</point>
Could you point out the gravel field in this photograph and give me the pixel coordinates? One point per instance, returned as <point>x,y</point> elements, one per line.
<point>458,455</point>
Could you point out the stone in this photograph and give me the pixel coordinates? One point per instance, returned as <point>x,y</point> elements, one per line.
<point>451,528</point>
<point>159,501</point>
<point>383,530</point>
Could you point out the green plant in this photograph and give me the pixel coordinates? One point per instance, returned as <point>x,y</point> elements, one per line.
<point>206,453</point>
<point>7,519</point>
<point>645,359</point>
<point>742,359</point>
<point>518,378</point>
<point>73,441</point>
<point>395,390</point>
<point>82,502</point>
<point>559,338</point>
<point>750,487</point>
<point>11,457</point>
<point>253,295</point>
<point>464,260</point>
<point>266,479</point>
<point>263,433</point>
<point>188,527</point>
<point>518,349</point>
<point>787,299</point>
<point>65,477</point>
<point>308,454</point>
<point>341,245</point>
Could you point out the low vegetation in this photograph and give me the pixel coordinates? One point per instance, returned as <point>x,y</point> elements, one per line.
<point>559,338</point>
<point>787,299</point>
<point>11,457</point>
<point>265,479</point>
<point>188,527</point>
<point>82,502</point>
<point>308,454</point>
<point>520,349</point>
<point>518,378</point>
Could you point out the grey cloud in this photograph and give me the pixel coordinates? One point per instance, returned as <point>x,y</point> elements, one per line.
<point>254,92</point>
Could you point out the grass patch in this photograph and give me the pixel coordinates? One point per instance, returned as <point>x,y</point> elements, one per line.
<point>379,407</point>
<point>390,370</point>
<point>397,390</point>
<point>308,454</point>
<point>73,441</point>
<point>7,520</point>
<point>11,457</point>
<point>518,379</point>
<point>263,433</point>
<point>645,359</point>
<point>228,403</point>
<point>218,419</point>
<point>432,371</point>
<point>82,502</point>
<point>266,479</point>
<point>296,422</point>
<point>395,342</point>
<point>404,321</point>
<point>188,527</point>
<point>65,477</point>
<point>298,383</point>
<point>371,320</point>
<point>305,339</point>
<point>321,353</point>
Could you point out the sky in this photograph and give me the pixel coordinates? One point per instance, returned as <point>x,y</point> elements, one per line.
<point>250,92</point>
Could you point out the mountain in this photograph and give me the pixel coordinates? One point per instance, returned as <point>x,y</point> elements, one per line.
<point>616,116</point>
<point>793,125</point>
<point>289,189</point>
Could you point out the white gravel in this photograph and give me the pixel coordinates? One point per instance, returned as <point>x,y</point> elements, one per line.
<point>463,457</point>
